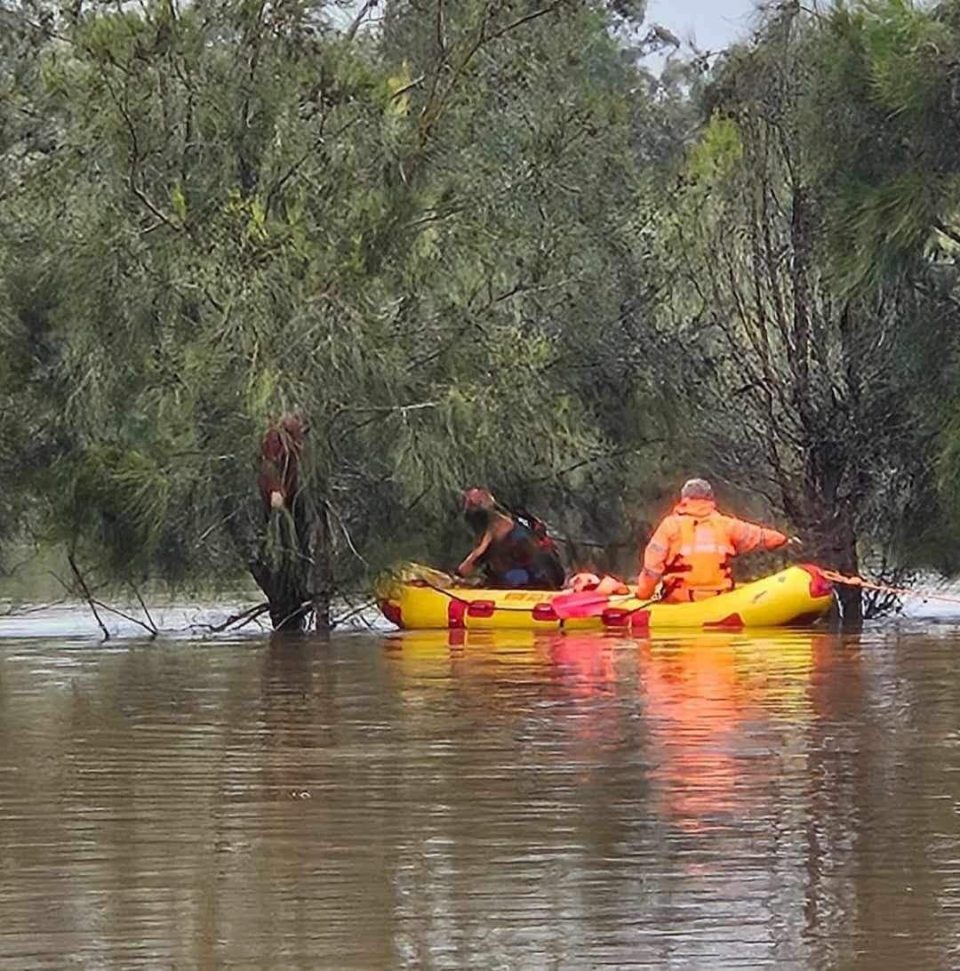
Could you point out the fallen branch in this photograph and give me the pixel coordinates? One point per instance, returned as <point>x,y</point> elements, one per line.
<point>304,610</point>
<point>88,596</point>
<point>146,611</point>
<point>240,620</point>
<point>354,612</point>
<point>152,631</point>
<point>20,610</point>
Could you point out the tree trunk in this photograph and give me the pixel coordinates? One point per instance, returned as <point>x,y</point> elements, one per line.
<point>285,591</point>
<point>282,567</point>
<point>835,546</point>
<point>844,555</point>
<point>322,569</point>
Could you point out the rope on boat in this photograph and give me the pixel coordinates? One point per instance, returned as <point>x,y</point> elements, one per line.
<point>857,581</point>
<point>449,593</point>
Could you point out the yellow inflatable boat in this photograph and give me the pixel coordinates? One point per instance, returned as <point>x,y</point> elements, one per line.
<point>418,598</point>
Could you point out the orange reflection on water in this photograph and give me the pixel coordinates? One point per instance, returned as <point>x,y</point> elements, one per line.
<point>723,712</point>
<point>718,712</point>
<point>489,663</point>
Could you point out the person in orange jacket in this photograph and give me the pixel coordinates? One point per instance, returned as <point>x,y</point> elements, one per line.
<point>691,550</point>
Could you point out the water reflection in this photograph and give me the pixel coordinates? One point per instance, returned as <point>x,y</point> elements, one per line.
<point>483,799</point>
<point>723,713</point>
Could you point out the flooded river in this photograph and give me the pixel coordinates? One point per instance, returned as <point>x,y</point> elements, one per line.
<point>430,801</point>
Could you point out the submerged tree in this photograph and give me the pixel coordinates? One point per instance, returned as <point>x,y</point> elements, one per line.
<point>890,160</point>
<point>245,209</point>
<point>455,239</point>
<point>820,397</point>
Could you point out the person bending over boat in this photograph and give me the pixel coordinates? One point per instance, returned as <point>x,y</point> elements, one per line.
<point>512,548</point>
<point>692,548</point>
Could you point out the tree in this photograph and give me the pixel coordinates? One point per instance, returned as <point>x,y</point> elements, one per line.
<point>243,210</point>
<point>889,160</point>
<point>821,399</point>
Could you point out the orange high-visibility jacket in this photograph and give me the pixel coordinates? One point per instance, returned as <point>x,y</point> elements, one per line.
<point>692,548</point>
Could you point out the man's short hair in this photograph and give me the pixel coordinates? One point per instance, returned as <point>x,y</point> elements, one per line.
<point>696,489</point>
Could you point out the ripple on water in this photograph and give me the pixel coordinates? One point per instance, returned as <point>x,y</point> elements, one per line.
<point>519,800</point>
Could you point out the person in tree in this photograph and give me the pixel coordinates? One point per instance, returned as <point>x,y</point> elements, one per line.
<point>512,548</point>
<point>281,450</point>
<point>691,550</point>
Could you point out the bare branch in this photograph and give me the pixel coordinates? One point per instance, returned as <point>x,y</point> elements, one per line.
<point>152,631</point>
<point>145,609</point>
<point>236,620</point>
<point>360,18</point>
<point>941,227</point>
<point>435,106</point>
<point>88,596</point>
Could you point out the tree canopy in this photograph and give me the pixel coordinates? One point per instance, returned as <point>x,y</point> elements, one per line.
<point>478,242</point>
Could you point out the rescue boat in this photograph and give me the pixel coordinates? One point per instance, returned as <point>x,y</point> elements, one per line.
<point>419,598</point>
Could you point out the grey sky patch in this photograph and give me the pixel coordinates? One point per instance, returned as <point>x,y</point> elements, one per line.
<point>712,24</point>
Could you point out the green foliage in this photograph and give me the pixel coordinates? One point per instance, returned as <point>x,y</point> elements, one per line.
<point>485,247</point>
<point>719,149</point>
<point>245,210</point>
<point>885,95</point>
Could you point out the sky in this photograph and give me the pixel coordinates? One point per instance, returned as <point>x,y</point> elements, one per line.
<point>712,23</point>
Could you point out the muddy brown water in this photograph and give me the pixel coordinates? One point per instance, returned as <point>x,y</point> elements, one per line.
<point>434,801</point>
